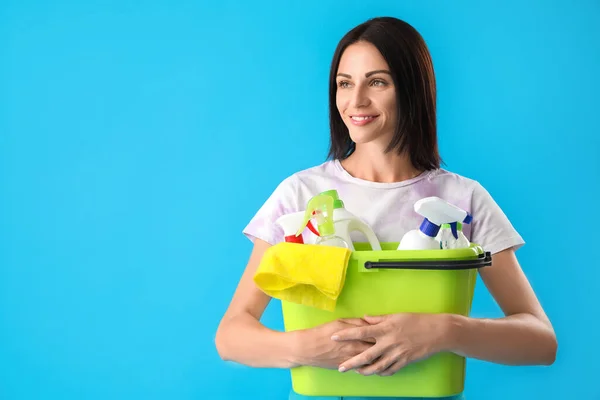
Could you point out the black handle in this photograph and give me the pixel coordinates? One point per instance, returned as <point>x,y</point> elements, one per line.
<point>483,260</point>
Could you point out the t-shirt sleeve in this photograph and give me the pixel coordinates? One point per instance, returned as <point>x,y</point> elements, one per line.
<point>282,201</point>
<point>491,227</point>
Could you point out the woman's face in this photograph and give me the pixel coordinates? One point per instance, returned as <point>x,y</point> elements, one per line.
<point>366,96</point>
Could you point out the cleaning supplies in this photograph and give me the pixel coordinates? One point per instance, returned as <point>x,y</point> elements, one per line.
<point>452,237</point>
<point>309,274</point>
<point>345,222</point>
<point>290,223</point>
<point>321,208</point>
<point>435,212</point>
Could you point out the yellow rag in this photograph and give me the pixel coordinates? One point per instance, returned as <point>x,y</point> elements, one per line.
<point>307,274</point>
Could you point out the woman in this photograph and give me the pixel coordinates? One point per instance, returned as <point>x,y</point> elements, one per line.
<point>384,157</point>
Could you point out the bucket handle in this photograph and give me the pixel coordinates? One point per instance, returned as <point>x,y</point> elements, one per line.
<point>482,260</point>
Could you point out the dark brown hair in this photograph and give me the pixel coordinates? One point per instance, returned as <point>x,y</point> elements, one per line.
<point>406,53</point>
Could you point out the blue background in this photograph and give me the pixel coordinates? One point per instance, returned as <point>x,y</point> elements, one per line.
<point>138,138</point>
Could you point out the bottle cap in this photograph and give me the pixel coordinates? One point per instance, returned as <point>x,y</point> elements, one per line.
<point>337,202</point>
<point>429,228</point>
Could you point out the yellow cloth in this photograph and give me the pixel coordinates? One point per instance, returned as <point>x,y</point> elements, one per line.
<point>308,274</point>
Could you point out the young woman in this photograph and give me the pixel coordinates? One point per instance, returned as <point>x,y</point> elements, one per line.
<point>383,158</point>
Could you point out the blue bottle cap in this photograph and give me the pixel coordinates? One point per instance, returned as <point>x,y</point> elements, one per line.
<point>429,228</point>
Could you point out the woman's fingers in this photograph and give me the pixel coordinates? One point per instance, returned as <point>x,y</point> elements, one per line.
<point>358,333</point>
<point>393,368</point>
<point>364,358</point>
<point>402,360</point>
<point>375,319</point>
<point>355,321</point>
<point>378,366</point>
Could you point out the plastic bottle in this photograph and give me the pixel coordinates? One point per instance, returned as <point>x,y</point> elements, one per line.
<point>436,212</point>
<point>452,237</point>
<point>345,222</point>
<point>321,208</point>
<point>422,238</point>
<point>290,223</point>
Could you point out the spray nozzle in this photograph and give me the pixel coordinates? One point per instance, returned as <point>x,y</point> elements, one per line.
<point>321,208</point>
<point>438,212</point>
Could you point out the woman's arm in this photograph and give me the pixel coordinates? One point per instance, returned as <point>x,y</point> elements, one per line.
<point>524,337</point>
<point>240,336</point>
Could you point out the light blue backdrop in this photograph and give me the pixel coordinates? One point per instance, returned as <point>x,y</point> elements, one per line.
<point>138,138</point>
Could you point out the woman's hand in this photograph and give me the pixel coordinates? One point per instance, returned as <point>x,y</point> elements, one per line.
<point>400,340</point>
<point>314,346</point>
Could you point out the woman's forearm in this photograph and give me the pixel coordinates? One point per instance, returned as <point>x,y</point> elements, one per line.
<point>519,339</point>
<point>244,340</point>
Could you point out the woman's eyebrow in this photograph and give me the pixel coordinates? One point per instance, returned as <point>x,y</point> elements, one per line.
<point>368,74</point>
<point>379,71</point>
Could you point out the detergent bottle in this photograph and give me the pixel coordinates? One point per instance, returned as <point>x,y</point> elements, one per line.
<point>452,237</point>
<point>435,212</point>
<point>320,207</point>
<point>290,224</point>
<point>345,222</point>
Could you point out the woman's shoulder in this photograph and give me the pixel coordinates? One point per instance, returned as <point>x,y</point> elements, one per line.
<point>444,176</point>
<point>456,182</point>
<point>461,189</point>
<point>290,195</point>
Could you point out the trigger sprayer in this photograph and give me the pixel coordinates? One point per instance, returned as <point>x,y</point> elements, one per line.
<point>435,212</point>
<point>291,222</point>
<point>320,207</point>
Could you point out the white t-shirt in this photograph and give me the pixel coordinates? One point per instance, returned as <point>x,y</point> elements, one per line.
<point>386,207</point>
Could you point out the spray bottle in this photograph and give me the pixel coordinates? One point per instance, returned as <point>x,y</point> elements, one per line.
<point>452,237</point>
<point>321,208</point>
<point>290,223</point>
<point>345,222</point>
<point>435,212</point>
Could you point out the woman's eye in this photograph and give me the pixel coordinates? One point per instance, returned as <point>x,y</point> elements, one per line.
<point>343,84</point>
<point>378,82</point>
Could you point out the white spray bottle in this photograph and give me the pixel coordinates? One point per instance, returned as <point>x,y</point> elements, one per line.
<point>290,224</point>
<point>345,222</point>
<point>321,208</point>
<point>452,237</point>
<point>436,212</point>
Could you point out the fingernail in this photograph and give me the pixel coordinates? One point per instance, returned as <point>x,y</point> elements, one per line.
<point>335,337</point>
<point>342,369</point>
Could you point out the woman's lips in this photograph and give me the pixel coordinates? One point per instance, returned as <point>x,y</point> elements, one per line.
<point>361,120</point>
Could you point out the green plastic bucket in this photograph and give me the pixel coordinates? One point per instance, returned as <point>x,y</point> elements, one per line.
<point>386,282</point>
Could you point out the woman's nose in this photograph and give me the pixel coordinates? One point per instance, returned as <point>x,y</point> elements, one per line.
<point>360,98</point>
